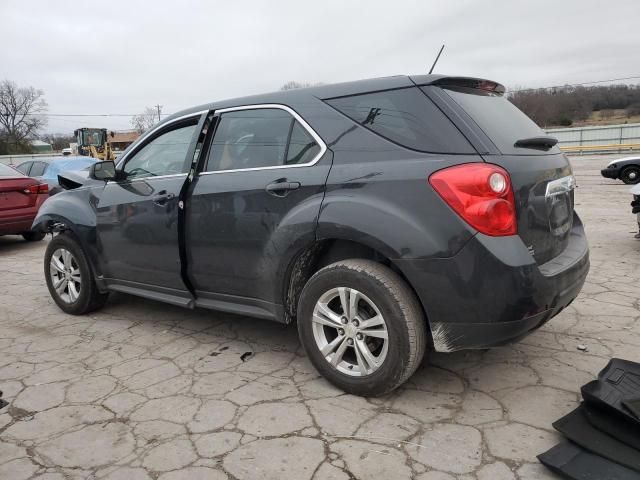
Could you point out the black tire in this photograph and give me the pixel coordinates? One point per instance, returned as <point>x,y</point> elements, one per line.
<point>630,175</point>
<point>89,298</point>
<point>33,236</point>
<point>403,315</point>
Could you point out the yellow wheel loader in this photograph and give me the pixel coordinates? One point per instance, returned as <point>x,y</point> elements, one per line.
<point>94,142</point>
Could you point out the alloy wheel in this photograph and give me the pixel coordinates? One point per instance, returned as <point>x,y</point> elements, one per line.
<point>65,275</point>
<point>350,331</point>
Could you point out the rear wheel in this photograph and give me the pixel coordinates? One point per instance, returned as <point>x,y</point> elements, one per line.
<point>630,175</point>
<point>33,236</point>
<point>69,278</point>
<point>361,326</point>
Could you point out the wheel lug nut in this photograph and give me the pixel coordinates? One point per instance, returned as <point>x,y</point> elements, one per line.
<point>356,323</point>
<point>359,336</point>
<point>344,320</point>
<point>350,341</point>
<point>341,331</point>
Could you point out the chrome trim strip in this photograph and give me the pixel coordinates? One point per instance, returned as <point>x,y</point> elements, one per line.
<point>294,114</point>
<point>560,185</point>
<point>148,178</point>
<point>158,127</point>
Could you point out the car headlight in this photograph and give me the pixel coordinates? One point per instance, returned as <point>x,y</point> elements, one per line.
<point>613,165</point>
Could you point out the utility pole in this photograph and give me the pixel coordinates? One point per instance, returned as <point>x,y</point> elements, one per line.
<point>159,108</point>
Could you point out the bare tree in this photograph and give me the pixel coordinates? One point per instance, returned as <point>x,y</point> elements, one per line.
<point>292,84</point>
<point>58,141</point>
<point>145,120</point>
<point>22,112</point>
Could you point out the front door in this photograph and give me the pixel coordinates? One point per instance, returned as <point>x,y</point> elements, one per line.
<point>256,200</point>
<point>137,216</point>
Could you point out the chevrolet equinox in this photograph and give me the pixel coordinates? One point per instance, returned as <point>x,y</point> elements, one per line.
<point>384,216</point>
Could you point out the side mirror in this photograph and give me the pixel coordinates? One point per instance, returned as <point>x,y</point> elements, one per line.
<point>103,171</point>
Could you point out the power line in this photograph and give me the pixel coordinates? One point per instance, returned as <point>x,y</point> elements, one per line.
<point>90,114</point>
<point>575,84</point>
<point>159,107</point>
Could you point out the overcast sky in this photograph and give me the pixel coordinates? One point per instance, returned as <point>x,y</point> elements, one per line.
<point>121,56</point>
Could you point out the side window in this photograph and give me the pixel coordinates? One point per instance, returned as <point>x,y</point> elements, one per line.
<point>164,155</point>
<point>302,147</point>
<point>263,137</point>
<point>38,169</point>
<point>24,167</point>
<point>406,117</point>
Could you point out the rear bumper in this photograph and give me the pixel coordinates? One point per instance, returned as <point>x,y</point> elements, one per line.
<point>16,225</point>
<point>19,220</point>
<point>610,172</point>
<point>492,292</point>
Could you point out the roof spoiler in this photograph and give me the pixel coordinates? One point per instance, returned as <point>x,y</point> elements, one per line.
<point>461,82</point>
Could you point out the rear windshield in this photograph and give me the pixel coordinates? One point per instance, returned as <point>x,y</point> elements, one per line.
<point>406,117</point>
<point>500,119</point>
<point>7,171</point>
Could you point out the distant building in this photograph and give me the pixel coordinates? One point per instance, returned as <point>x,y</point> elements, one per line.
<point>38,146</point>
<point>122,140</point>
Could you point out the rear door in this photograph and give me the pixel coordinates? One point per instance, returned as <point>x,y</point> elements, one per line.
<point>258,194</point>
<point>137,216</point>
<point>541,175</point>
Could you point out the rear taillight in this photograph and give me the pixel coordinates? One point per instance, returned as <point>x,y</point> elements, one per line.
<point>481,194</point>
<point>39,188</point>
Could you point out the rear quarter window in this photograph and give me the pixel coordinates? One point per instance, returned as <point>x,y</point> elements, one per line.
<point>406,117</point>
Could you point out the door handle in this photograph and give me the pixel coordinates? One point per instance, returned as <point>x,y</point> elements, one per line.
<point>162,198</point>
<point>281,189</point>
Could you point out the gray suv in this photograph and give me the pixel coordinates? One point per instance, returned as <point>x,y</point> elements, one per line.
<point>384,216</point>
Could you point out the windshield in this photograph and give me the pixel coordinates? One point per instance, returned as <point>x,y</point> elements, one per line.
<point>500,119</point>
<point>91,137</point>
<point>7,171</point>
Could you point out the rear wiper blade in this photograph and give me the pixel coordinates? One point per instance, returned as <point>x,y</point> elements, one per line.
<point>543,143</point>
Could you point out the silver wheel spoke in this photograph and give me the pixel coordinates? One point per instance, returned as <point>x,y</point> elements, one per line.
<point>75,275</point>
<point>362,364</point>
<point>344,301</point>
<point>371,322</point>
<point>335,359</point>
<point>57,265</point>
<point>330,347</point>
<point>61,286</point>
<point>366,354</point>
<point>354,296</point>
<point>57,282</point>
<point>73,292</point>
<point>66,258</point>
<point>376,333</point>
<point>325,316</point>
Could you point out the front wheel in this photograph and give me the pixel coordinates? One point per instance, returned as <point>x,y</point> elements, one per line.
<point>630,175</point>
<point>362,327</point>
<point>69,278</point>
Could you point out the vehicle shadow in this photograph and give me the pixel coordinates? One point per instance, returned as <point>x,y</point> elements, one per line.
<point>10,244</point>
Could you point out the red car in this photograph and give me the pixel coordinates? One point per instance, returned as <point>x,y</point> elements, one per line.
<point>20,199</point>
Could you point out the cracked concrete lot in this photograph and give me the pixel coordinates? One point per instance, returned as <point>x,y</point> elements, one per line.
<point>145,390</point>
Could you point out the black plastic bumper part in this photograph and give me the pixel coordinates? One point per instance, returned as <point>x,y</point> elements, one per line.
<point>617,384</point>
<point>577,428</point>
<point>571,461</point>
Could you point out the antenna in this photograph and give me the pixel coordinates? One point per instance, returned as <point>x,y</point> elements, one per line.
<point>436,60</point>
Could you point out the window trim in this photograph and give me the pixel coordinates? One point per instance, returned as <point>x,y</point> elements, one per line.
<point>295,115</point>
<point>146,138</point>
